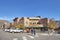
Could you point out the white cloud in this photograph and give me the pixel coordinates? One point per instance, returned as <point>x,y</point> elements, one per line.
<point>7,18</point>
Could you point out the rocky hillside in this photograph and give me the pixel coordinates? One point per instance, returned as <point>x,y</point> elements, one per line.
<point>2,22</point>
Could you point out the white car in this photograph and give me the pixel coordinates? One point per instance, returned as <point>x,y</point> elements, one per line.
<point>15,30</point>
<point>6,30</point>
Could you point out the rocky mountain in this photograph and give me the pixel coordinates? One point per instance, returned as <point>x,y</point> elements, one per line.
<point>2,22</point>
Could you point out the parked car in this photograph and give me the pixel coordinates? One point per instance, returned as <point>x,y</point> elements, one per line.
<point>16,30</point>
<point>6,30</point>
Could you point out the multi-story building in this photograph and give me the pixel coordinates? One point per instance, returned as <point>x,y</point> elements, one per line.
<point>24,21</point>
<point>33,21</point>
<point>36,21</point>
<point>30,21</point>
<point>16,21</point>
<point>48,22</point>
<point>45,22</point>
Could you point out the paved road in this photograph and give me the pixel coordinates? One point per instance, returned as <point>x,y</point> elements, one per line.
<point>27,36</point>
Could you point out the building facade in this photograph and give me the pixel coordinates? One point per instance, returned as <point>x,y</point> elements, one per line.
<point>30,21</point>
<point>36,21</point>
<point>16,22</point>
<point>45,22</point>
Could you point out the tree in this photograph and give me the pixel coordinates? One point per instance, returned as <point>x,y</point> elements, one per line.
<point>19,26</point>
<point>52,24</point>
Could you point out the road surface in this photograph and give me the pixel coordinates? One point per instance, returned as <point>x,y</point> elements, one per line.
<point>27,36</point>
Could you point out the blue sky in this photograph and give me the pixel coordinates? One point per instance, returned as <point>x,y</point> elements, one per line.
<point>10,9</point>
